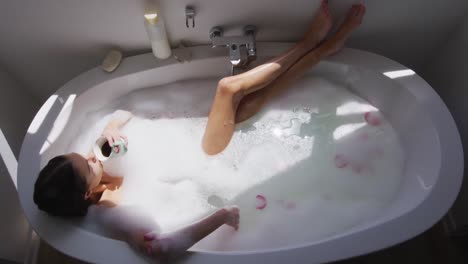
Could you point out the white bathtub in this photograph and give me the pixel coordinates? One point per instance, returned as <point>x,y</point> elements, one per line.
<point>432,174</point>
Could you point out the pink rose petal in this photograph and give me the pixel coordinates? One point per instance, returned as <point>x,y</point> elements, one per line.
<point>261,202</point>
<point>372,118</point>
<point>290,205</point>
<point>364,136</point>
<point>341,161</point>
<point>358,168</point>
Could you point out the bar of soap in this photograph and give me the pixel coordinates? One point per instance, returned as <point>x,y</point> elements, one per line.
<point>112,60</point>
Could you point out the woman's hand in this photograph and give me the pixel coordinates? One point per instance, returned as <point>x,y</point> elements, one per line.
<point>139,240</point>
<point>157,244</point>
<point>118,119</point>
<point>151,244</point>
<point>166,246</point>
<point>112,134</point>
<point>232,216</point>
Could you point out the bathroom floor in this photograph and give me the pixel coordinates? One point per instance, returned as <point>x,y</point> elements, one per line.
<point>433,246</point>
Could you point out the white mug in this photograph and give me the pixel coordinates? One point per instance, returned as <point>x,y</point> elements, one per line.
<point>103,151</point>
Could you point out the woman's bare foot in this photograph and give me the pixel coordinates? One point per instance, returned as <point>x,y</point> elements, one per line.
<point>336,42</point>
<point>232,216</point>
<point>320,26</point>
<point>252,103</point>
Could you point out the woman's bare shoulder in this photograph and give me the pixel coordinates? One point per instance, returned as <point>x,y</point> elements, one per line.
<point>110,198</point>
<point>101,208</point>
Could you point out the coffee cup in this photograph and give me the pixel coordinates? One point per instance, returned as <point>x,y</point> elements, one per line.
<point>103,151</point>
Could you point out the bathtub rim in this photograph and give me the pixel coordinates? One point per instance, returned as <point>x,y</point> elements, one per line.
<point>414,222</point>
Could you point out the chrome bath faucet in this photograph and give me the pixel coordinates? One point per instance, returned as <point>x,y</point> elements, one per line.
<point>237,45</point>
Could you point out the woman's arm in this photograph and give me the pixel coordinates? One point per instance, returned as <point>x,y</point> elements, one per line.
<point>118,119</point>
<point>172,244</point>
<point>137,228</point>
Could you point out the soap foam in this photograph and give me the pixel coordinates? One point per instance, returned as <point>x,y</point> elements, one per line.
<point>285,153</point>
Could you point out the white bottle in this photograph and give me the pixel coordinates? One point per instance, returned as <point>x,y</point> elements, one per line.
<point>156,30</point>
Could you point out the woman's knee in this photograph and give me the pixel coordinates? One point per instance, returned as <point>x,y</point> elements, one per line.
<point>227,86</point>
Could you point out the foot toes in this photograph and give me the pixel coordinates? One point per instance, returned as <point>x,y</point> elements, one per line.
<point>357,12</point>
<point>360,9</point>
<point>354,10</point>
<point>324,6</point>
<point>363,9</point>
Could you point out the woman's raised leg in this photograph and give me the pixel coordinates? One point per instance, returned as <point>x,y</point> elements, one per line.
<point>252,103</point>
<point>232,89</point>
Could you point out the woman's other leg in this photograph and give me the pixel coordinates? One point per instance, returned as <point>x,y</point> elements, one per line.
<point>252,103</point>
<point>232,89</point>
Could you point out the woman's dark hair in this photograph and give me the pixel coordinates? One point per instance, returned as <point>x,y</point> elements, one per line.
<point>60,190</point>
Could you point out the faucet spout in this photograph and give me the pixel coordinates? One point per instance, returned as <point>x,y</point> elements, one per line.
<point>236,45</point>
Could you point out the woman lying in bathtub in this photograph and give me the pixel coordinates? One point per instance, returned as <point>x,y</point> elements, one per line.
<point>74,185</point>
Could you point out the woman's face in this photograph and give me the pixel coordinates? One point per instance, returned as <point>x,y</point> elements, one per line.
<point>90,168</point>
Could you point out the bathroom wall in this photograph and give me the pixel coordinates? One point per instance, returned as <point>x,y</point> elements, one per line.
<point>17,108</point>
<point>447,74</point>
<point>46,43</point>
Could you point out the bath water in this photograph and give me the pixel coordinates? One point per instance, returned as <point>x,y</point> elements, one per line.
<point>319,159</point>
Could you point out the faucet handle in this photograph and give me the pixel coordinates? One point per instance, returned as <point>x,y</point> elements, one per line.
<point>250,30</point>
<point>216,32</point>
<point>189,15</point>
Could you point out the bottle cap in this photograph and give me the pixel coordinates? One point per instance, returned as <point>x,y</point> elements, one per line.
<point>151,18</point>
